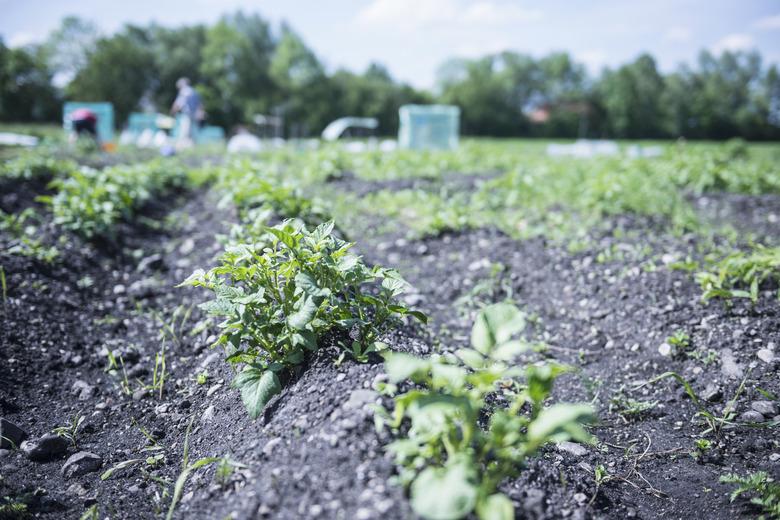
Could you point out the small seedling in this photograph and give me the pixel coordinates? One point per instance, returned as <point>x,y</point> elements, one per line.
<point>70,431</point>
<point>700,448</point>
<point>680,340</point>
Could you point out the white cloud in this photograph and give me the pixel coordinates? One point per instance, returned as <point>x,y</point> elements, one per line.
<point>21,39</point>
<point>677,34</point>
<point>593,59</point>
<point>734,42</point>
<point>485,12</point>
<point>407,14</point>
<point>768,22</point>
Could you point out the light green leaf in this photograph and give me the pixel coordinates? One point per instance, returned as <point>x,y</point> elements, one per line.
<point>445,493</point>
<point>401,366</point>
<point>560,422</point>
<point>496,507</point>
<point>307,309</point>
<point>257,388</point>
<point>510,350</point>
<point>496,324</point>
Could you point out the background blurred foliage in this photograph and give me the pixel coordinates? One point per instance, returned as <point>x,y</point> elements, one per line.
<point>243,66</point>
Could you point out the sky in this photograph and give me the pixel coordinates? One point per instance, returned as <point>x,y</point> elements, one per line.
<point>413,37</point>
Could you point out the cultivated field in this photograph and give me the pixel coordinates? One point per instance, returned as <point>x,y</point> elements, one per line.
<point>511,334</point>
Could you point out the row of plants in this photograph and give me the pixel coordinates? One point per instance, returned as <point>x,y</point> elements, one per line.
<point>464,422</point>
<point>91,202</point>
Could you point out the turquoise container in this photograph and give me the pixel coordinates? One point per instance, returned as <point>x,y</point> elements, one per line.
<point>428,127</point>
<point>103,111</point>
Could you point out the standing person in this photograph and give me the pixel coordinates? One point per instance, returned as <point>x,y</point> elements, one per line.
<point>83,122</point>
<point>188,104</point>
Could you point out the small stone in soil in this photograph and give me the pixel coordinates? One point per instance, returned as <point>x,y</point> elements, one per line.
<point>766,355</point>
<point>578,450</point>
<point>81,463</point>
<point>358,398</point>
<point>46,448</point>
<point>765,408</point>
<point>83,390</point>
<point>712,393</point>
<point>10,434</point>
<point>729,365</point>
<point>751,416</point>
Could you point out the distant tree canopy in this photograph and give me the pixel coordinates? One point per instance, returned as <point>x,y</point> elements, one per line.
<point>244,66</point>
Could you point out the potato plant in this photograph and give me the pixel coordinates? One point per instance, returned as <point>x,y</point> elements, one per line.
<point>91,202</point>
<point>741,275</point>
<point>458,448</point>
<point>280,293</point>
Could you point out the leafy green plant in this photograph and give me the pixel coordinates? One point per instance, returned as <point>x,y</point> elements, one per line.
<point>91,202</point>
<point>23,235</point>
<point>700,448</point>
<point>280,293</point>
<point>765,491</point>
<point>459,447</point>
<point>36,166</point>
<point>681,340</point>
<point>629,408</point>
<point>740,274</point>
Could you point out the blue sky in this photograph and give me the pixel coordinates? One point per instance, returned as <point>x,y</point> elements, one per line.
<point>413,37</point>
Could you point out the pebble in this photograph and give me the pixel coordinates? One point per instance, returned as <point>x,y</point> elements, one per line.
<point>765,408</point>
<point>580,498</point>
<point>729,365</point>
<point>666,349</point>
<point>139,394</point>
<point>208,415</point>
<point>751,416</point>
<point>46,448</point>
<point>83,390</point>
<point>578,450</point>
<point>268,449</point>
<point>81,463</point>
<point>360,397</point>
<point>150,262</point>
<point>712,393</point>
<point>213,389</point>
<point>10,434</point>
<point>774,457</point>
<point>766,355</point>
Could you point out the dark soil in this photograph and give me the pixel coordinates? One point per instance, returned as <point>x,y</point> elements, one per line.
<point>315,453</point>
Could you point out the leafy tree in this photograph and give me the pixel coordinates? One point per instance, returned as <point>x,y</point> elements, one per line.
<point>119,70</point>
<point>67,47</point>
<point>235,69</point>
<point>302,85</point>
<point>632,99</point>
<point>26,92</point>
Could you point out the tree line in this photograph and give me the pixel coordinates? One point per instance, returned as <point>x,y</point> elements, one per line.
<point>243,66</point>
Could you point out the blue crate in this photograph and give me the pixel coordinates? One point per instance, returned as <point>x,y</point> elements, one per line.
<point>428,127</point>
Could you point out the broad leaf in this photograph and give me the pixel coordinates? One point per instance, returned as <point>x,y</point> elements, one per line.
<point>445,493</point>
<point>307,309</point>
<point>257,388</point>
<point>496,507</point>
<point>495,325</point>
<point>401,366</point>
